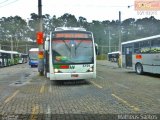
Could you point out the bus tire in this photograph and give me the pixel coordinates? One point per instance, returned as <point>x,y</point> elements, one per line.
<point>139,69</point>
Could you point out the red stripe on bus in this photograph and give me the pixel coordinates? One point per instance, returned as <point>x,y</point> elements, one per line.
<point>64,67</point>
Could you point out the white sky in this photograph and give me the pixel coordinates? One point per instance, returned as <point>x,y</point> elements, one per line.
<point>90,9</point>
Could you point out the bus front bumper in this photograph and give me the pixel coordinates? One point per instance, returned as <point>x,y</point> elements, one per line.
<point>71,76</point>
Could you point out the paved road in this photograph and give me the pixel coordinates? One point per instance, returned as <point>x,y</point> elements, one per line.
<point>116,93</point>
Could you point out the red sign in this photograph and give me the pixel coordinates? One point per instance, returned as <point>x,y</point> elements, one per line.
<point>72,35</point>
<point>146,5</point>
<point>39,37</point>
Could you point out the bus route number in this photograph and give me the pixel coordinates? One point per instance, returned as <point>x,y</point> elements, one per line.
<point>86,65</point>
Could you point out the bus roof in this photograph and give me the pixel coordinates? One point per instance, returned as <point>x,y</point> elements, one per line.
<point>141,39</point>
<point>69,28</point>
<point>2,51</point>
<point>34,49</point>
<point>115,52</point>
<point>11,52</point>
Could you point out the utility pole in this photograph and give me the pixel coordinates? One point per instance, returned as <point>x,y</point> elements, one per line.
<point>119,57</point>
<point>0,46</point>
<point>40,38</point>
<point>119,30</point>
<point>26,49</point>
<point>11,43</point>
<point>109,38</point>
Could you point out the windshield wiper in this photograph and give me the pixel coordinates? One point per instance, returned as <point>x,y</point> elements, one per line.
<point>67,45</point>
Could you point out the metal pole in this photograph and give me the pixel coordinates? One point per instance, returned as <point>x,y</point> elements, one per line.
<point>109,40</point>
<point>11,44</point>
<point>40,46</point>
<point>0,46</point>
<point>119,30</point>
<point>119,58</point>
<point>26,49</point>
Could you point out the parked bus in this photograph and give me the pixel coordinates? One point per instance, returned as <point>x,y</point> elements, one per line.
<point>70,54</point>
<point>14,57</point>
<point>33,57</point>
<point>3,58</point>
<point>113,56</point>
<point>143,55</point>
<point>23,58</point>
<point>8,58</point>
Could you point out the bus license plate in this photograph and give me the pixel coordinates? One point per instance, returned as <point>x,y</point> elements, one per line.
<point>74,75</point>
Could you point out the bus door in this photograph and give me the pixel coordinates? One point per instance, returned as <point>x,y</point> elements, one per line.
<point>128,54</point>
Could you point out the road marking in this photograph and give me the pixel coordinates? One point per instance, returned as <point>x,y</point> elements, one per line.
<point>136,109</point>
<point>48,110</point>
<point>50,89</point>
<point>42,88</point>
<point>35,111</point>
<point>11,97</point>
<point>48,113</point>
<point>96,85</point>
<point>100,77</point>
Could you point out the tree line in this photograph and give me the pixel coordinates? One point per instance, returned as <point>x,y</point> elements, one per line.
<point>105,32</point>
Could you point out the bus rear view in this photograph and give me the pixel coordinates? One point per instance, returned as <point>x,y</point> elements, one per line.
<point>71,55</point>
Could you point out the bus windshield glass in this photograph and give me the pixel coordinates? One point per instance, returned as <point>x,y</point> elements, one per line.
<point>72,51</point>
<point>33,55</point>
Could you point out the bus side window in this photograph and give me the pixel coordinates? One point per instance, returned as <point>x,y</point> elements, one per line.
<point>136,48</point>
<point>145,46</point>
<point>155,46</point>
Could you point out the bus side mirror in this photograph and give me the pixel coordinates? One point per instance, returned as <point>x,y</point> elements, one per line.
<point>46,44</point>
<point>96,48</point>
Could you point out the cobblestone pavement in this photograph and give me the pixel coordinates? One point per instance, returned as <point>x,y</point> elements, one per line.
<point>115,94</point>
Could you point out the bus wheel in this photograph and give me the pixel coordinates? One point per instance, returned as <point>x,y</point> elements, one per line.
<point>139,69</point>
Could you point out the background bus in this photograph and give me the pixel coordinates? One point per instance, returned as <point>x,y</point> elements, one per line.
<point>113,56</point>
<point>33,57</point>
<point>3,58</point>
<point>71,54</point>
<point>8,58</point>
<point>143,55</point>
<point>23,58</point>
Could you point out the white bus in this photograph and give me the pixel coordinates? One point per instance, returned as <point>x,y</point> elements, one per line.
<point>143,55</point>
<point>70,54</point>
<point>113,56</point>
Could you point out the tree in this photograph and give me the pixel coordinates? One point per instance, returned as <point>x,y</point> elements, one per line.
<point>69,20</point>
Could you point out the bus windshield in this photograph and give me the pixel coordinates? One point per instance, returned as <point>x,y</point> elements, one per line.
<point>33,55</point>
<point>72,51</point>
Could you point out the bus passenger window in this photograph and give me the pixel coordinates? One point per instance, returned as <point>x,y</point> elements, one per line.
<point>155,46</point>
<point>136,48</point>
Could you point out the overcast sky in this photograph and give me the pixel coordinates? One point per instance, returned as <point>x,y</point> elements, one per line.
<point>90,9</point>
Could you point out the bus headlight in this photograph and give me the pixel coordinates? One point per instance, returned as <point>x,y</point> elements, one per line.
<point>90,69</point>
<point>56,70</point>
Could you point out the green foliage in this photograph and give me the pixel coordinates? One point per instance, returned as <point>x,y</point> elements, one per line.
<point>102,57</point>
<point>20,30</point>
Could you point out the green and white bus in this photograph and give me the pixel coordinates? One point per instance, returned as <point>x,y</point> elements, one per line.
<point>70,54</point>
<point>143,55</point>
<point>8,58</point>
